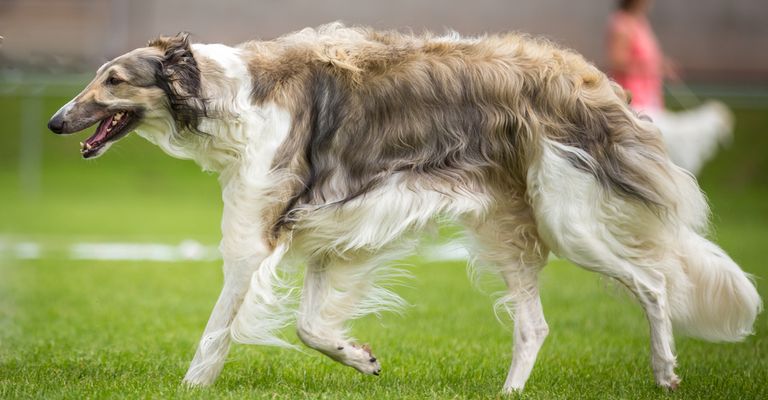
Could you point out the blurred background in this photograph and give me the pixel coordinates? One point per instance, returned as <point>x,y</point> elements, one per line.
<point>712,40</point>
<point>52,47</point>
<point>59,214</point>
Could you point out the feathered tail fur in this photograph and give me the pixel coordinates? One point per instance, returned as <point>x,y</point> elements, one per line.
<point>616,171</point>
<point>722,302</point>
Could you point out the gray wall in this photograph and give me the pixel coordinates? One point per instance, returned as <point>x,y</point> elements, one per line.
<point>713,40</point>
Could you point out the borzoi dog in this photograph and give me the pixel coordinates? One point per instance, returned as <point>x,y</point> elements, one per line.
<point>336,144</point>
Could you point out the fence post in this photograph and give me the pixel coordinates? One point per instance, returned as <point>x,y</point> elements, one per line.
<point>30,153</point>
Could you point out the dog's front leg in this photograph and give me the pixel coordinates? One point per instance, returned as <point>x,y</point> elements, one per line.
<point>243,250</point>
<point>214,344</point>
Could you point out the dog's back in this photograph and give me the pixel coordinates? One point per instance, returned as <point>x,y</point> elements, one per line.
<point>370,104</point>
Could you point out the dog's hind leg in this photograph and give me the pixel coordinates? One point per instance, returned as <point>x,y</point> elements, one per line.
<point>602,232</point>
<point>336,290</point>
<point>648,286</point>
<point>507,242</point>
<point>530,331</point>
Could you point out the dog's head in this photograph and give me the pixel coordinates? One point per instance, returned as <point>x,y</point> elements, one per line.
<point>160,81</point>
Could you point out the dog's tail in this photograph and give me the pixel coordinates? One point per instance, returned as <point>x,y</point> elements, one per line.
<point>721,302</point>
<point>710,297</point>
<point>624,152</point>
<point>714,299</point>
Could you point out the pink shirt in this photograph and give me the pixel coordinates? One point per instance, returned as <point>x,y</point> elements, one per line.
<point>643,76</point>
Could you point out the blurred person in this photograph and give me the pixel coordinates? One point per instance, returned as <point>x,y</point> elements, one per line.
<point>637,63</point>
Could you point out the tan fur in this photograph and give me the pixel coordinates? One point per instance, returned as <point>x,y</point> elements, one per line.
<point>514,90</point>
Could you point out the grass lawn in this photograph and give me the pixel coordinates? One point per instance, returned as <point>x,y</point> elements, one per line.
<point>96,329</point>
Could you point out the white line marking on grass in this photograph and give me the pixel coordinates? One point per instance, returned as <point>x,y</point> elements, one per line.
<point>451,251</point>
<point>188,250</point>
<point>26,250</point>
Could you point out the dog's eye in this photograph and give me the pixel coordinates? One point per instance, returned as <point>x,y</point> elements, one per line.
<point>113,81</point>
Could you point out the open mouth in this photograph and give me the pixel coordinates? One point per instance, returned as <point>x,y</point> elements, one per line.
<point>110,129</point>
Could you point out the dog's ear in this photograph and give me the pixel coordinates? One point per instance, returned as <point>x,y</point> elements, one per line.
<point>179,76</point>
<point>179,67</point>
<point>165,43</point>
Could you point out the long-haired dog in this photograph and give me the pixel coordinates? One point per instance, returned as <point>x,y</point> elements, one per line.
<point>338,143</point>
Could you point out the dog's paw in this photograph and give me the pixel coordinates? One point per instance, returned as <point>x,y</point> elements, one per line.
<point>196,382</point>
<point>670,383</point>
<point>360,358</point>
<point>511,389</point>
<point>664,372</point>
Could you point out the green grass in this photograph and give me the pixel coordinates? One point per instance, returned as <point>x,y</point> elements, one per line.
<point>86,329</point>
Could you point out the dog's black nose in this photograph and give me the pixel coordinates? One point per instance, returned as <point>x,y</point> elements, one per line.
<point>56,124</point>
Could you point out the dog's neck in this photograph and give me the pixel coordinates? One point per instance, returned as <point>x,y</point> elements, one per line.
<point>234,125</point>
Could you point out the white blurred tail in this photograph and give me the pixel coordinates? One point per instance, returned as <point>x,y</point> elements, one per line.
<point>693,137</point>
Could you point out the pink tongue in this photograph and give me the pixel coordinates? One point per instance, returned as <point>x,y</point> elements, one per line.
<point>101,132</point>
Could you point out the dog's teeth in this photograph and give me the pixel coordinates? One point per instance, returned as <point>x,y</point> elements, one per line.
<point>88,146</point>
<point>82,144</point>
<point>117,117</point>
<point>113,123</point>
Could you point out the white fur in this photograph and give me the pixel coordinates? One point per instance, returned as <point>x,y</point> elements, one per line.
<point>675,273</point>
<point>241,150</point>
<point>384,215</point>
<point>589,226</point>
